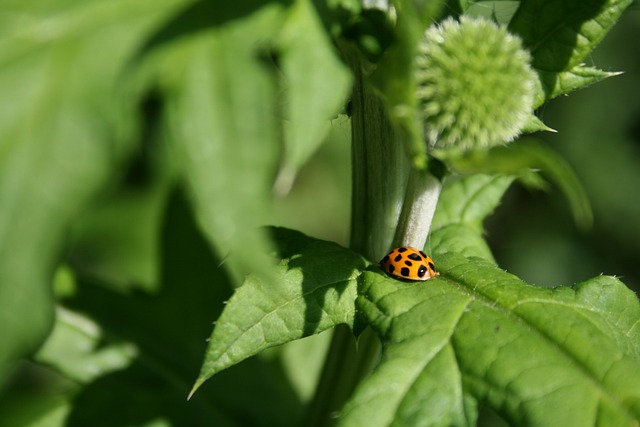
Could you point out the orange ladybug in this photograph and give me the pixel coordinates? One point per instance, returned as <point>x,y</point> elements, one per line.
<point>409,263</point>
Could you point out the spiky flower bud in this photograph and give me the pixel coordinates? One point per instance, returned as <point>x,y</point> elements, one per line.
<point>475,85</point>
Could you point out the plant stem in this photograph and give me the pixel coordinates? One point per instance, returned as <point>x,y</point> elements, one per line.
<point>380,173</point>
<point>392,202</point>
<point>423,191</point>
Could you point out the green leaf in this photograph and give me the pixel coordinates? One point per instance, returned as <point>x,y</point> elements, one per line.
<point>223,119</point>
<point>470,200</point>
<point>77,349</point>
<point>500,11</point>
<point>223,88</point>
<point>560,35</point>
<point>460,238</point>
<point>62,132</point>
<point>476,334</point>
<point>536,125</point>
<point>462,207</point>
<point>555,84</point>
<point>118,239</point>
<point>316,84</point>
<point>521,159</point>
<point>313,289</point>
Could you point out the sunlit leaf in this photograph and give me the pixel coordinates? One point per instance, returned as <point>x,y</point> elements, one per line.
<point>76,347</point>
<point>479,335</point>
<point>470,200</point>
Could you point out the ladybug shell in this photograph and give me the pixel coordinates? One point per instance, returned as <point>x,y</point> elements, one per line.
<point>408,263</point>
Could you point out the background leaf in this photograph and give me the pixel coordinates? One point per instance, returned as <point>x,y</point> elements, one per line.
<point>146,357</point>
<point>221,111</point>
<point>62,104</point>
<point>500,11</point>
<point>597,133</point>
<point>560,35</point>
<point>462,207</point>
<point>316,86</point>
<point>224,90</point>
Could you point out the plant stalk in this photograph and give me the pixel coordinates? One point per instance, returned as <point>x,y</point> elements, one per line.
<point>423,191</point>
<point>392,203</point>
<point>379,175</point>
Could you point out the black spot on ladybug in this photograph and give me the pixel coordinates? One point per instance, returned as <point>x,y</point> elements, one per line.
<point>423,254</point>
<point>391,268</point>
<point>402,249</point>
<point>385,259</point>
<point>407,262</point>
<point>404,271</point>
<point>422,271</point>
<point>431,266</point>
<point>398,258</point>
<point>414,256</point>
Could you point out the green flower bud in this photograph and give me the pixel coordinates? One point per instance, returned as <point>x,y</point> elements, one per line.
<point>475,85</point>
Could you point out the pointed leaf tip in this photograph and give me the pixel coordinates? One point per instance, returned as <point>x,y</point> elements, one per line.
<point>190,394</point>
<point>314,288</point>
<point>534,124</point>
<point>195,387</point>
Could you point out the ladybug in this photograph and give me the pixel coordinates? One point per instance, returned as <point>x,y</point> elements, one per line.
<point>409,263</point>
